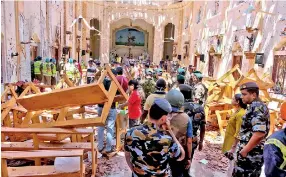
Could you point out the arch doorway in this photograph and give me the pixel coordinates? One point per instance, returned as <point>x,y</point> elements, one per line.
<point>94,39</point>
<point>169,34</point>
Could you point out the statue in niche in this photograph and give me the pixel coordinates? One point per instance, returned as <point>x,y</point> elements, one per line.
<point>218,46</point>
<point>131,39</point>
<point>199,15</point>
<point>251,41</point>
<point>216,7</point>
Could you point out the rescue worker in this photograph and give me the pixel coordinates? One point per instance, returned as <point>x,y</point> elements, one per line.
<point>274,153</point>
<point>38,68</point>
<point>83,66</point>
<point>182,127</point>
<point>200,90</point>
<point>159,93</point>
<point>54,71</point>
<point>148,84</point>
<point>253,132</point>
<point>47,72</point>
<point>90,73</point>
<point>70,70</point>
<point>150,147</point>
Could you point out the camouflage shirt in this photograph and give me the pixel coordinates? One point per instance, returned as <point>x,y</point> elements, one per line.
<point>148,86</point>
<point>151,149</point>
<point>200,93</point>
<point>256,119</point>
<point>192,109</point>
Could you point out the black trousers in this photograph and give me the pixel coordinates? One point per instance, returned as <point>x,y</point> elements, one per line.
<point>178,168</point>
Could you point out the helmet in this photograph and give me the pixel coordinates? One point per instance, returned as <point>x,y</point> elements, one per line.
<point>148,72</point>
<point>193,108</point>
<point>159,71</point>
<point>47,60</point>
<point>97,62</point>
<point>70,60</point>
<point>181,71</point>
<point>176,99</point>
<point>161,84</point>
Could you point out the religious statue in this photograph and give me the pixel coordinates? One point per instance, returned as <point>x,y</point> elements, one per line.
<point>131,39</point>
<point>251,41</point>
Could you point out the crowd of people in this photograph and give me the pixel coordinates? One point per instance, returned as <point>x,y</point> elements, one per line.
<point>167,120</point>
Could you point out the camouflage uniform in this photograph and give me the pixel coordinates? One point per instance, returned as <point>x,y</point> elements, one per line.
<point>192,109</point>
<point>151,149</point>
<point>148,85</point>
<point>200,93</point>
<point>256,119</point>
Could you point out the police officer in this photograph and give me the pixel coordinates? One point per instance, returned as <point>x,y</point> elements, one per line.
<point>148,147</point>
<point>182,127</point>
<point>274,153</point>
<point>200,90</point>
<point>38,68</point>
<point>254,129</point>
<point>148,84</point>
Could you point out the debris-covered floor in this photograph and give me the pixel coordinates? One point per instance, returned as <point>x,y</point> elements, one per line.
<point>216,165</point>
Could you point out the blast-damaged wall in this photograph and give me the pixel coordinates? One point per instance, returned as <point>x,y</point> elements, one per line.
<point>255,26</point>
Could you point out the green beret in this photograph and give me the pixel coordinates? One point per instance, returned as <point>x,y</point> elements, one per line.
<point>180,77</point>
<point>198,74</point>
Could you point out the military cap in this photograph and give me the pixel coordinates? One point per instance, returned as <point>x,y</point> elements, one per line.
<point>198,74</point>
<point>180,77</point>
<point>176,99</point>
<point>159,71</point>
<point>97,62</point>
<point>149,72</point>
<point>163,104</point>
<point>181,71</point>
<point>249,85</point>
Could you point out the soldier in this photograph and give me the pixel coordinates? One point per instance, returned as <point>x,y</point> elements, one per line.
<point>148,84</point>
<point>254,129</point>
<point>159,93</point>
<point>274,153</point>
<point>200,90</point>
<point>182,127</point>
<point>148,147</point>
<point>197,114</point>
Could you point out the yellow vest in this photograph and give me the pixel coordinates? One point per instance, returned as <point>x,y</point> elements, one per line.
<point>37,67</point>
<point>47,69</point>
<point>70,71</point>
<point>54,71</point>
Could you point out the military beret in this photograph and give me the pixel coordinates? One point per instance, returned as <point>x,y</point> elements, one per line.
<point>180,77</point>
<point>198,74</point>
<point>249,85</point>
<point>163,104</point>
<point>181,71</point>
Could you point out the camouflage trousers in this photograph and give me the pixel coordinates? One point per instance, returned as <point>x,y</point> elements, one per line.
<point>249,166</point>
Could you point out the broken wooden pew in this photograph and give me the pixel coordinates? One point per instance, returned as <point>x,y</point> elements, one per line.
<point>39,170</point>
<point>37,144</point>
<point>74,96</point>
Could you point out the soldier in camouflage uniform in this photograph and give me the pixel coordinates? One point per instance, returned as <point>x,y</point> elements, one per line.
<point>148,84</point>
<point>200,90</point>
<point>254,129</point>
<point>197,114</point>
<point>149,148</point>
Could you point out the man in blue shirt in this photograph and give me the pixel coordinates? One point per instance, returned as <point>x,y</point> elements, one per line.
<point>182,127</point>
